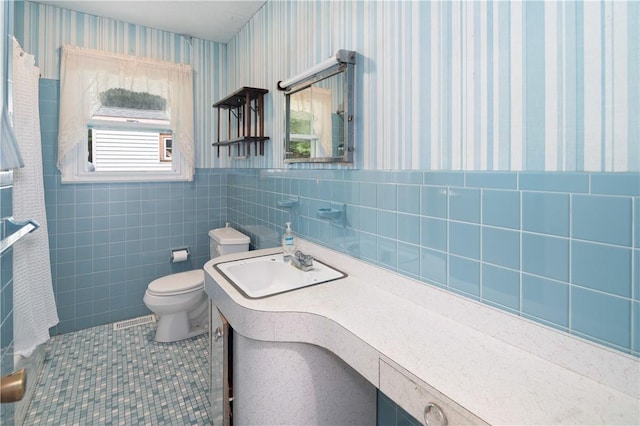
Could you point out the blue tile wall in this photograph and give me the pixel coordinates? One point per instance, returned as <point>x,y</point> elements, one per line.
<point>108,241</point>
<point>636,278</point>
<point>539,245</point>
<point>464,239</point>
<point>408,226</point>
<point>502,180</point>
<point>387,196</point>
<point>545,256</point>
<point>601,267</point>
<point>409,259</point>
<point>636,221</point>
<point>434,233</point>
<point>434,201</point>
<point>546,300</point>
<point>464,275</point>
<point>545,213</point>
<point>602,218</point>
<point>444,178</point>
<point>615,184</point>
<point>554,182</point>
<point>387,224</point>
<point>464,204</point>
<point>409,199</point>
<point>501,247</point>
<point>501,208</point>
<point>601,316</point>
<point>433,267</point>
<point>6,305</point>
<point>501,286</point>
<point>636,327</point>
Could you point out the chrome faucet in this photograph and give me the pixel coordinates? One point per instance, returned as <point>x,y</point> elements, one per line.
<point>302,261</point>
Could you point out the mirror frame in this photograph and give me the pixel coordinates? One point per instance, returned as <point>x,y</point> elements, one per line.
<point>342,64</point>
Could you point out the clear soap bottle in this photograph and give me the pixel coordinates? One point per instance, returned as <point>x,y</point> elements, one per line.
<point>288,242</point>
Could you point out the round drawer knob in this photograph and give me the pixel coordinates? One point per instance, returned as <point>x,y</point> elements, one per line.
<point>434,416</point>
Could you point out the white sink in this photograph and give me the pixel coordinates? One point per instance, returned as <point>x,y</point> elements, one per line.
<point>268,275</point>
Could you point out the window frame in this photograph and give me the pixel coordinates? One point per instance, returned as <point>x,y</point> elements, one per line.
<point>111,70</point>
<point>77,171</point>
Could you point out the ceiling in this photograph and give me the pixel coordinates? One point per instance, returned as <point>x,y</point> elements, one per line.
<point>217,20</point>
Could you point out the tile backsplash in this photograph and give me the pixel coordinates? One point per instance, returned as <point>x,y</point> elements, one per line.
<point>561,249</point>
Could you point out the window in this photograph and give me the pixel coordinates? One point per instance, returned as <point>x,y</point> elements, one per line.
<point>126,151</point>
<point>165,147</point>
<point>310,125</point>
<point>124,118</point>
<point>302,142</point>
<point>112,147</point>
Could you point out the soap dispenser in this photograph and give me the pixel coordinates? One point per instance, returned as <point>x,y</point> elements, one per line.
<point>288,242</point>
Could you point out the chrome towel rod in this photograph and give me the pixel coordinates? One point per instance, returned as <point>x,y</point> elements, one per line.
<point>13,230</point>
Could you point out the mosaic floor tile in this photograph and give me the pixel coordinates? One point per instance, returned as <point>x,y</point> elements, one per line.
<point>99,376</point>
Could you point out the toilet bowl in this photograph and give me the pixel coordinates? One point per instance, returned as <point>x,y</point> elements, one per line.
<point>180,303</point>
<point>179,300</point>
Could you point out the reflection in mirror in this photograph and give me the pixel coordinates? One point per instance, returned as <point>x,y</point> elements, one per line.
<point>316,123</point>
<point>319,113</point>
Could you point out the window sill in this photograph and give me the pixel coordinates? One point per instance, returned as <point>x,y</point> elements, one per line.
<point>74,171</point>
<point>107,177</point>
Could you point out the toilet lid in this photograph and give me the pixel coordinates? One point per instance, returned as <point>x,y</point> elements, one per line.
<point>182,282</point>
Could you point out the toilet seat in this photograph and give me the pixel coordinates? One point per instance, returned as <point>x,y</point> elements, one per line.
<point>180,283</point>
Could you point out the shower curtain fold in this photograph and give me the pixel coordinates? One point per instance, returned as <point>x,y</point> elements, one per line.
<point>34,307</point>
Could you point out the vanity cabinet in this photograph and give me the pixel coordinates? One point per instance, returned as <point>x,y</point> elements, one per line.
<point>219,367</point>
<point>422,401</point>
<point>293,383</point>
<point>244,122</point>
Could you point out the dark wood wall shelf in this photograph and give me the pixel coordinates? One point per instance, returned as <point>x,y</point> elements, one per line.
<point>245,115</point>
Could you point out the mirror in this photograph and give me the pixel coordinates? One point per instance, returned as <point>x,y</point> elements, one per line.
<point>319,122</point>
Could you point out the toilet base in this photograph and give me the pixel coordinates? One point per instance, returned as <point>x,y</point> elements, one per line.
<point>175,327</point>
<point>179,316</point>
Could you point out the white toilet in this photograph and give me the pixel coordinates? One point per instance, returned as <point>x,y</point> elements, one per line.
<point>179,299</point>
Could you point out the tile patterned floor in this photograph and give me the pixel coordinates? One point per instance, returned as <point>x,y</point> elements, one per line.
<point>99,376</point>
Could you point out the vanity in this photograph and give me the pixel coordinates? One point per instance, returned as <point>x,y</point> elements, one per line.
<point>443,358</point>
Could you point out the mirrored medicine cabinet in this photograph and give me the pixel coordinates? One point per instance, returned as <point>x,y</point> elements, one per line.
<point>319,112</point>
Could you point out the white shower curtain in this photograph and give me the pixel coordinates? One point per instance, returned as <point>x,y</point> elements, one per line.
<point>34,308</point>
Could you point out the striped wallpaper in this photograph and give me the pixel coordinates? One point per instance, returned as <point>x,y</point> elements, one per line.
<point>468,85</point>
<point>551,86</point>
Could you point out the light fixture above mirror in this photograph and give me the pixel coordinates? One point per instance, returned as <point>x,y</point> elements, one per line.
<point>319,112</point>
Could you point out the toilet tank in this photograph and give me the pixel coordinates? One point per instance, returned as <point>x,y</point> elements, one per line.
<point>227,240</point>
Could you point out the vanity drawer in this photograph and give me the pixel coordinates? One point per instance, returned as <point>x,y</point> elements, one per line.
<point>414,396</point>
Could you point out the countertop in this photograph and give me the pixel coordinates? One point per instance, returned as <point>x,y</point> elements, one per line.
<point>499,367</point>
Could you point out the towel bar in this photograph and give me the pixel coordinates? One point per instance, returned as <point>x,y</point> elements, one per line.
<point>12,230</point>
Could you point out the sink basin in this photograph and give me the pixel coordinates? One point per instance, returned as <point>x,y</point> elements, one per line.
<point>268,275</point>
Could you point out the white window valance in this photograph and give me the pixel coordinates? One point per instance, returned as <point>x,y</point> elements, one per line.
<point>85,73</point>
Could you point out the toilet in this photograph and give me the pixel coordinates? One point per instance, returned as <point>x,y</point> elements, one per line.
<point>179,300</point>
